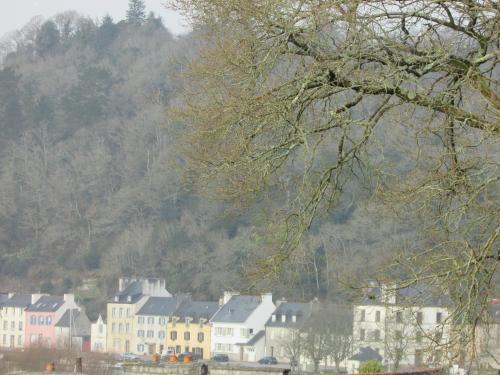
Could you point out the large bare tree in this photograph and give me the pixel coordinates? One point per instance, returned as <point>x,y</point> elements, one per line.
<point>305,96</point>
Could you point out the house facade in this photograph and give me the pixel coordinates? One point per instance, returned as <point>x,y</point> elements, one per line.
<point>282,330</point>
<point>237,322</point>
<point>73,331</point>
<point>403,333</point>
<point>98,333</point>
<point>41,318</point>
<point>132,294</point>
<point>13,319</point>
<point>189,328</point>
<point>151,324</point>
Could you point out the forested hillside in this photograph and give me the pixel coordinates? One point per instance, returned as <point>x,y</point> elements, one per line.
<point>91,183</point>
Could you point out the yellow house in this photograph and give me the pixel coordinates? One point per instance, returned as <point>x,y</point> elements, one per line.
<point>189,329</point>
<point>121,311</point>
<point>12,319</point>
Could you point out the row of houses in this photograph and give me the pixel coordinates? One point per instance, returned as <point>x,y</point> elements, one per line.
<point>144,318</point>
<point>33,320</point>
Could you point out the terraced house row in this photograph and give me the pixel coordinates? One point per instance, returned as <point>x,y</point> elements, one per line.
<point>40,320</point>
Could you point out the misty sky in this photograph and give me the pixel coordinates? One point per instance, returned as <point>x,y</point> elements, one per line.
<point>16,13</point>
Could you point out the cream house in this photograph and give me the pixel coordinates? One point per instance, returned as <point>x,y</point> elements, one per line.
<point>405,327</point>
<point>13,319</point>
<point>98,333</point>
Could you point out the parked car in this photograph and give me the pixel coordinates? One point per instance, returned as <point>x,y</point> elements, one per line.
<point>129,357</point>
<point>220,358</point>
<point>268,361</point>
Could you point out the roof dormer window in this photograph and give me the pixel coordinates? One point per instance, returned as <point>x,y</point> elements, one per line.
<point>294,318</point>
<point>273,318</point>
<point>283,318</point>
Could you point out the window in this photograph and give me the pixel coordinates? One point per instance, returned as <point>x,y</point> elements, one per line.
<point>48,320</point>
<point>128,312</point>
<point>151,333</point>
<point>127,327</point>
<point>101,328</point>
<point>20,326</point>
<point>113,312</point>
<point>4,340</point>
<point>113,327</point>
<point>140,348</point>
<point>201,337</point>
<point>178,349</point>
<point>418,357</point>
<point>361,334</point>
<point>173,335</point>
<point>398,335</point>
<point>243,332</point>
<point>32,321</point>
<point>5,323</point>
<point>12,326</point>
<point>377,316</point>
<point>439,317</point>
<point>362,316</point>
<point>376,335</point>
<point>161,334</point>
<point>224,331</point>
<point>19,340</point>
<point>151,320</point>
<point>140,333</point>
<point>120,312</point>
<point>420,317</point>
<point>140,320</point>
<point>162,321</point>
<point>120,327</point>
<point>399,317</point>
<point>41,320</point>
<point>418,337</point>
<point>187,336</point>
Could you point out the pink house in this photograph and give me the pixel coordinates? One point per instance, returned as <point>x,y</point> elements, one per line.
<point>41,318</point>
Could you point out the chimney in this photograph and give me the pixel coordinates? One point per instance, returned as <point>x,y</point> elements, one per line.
<point>35,297</point>
<point>121,283</point>
<point>69,298</point>
<point>227,296</point>
<point>279,302</point>
<point>267,298</point>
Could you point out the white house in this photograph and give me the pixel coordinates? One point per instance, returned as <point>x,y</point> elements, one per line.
<point>238,328</point>
<point>98,331</point>
<point>405,327</point>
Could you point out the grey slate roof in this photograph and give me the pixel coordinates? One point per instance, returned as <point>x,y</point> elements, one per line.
<point>197,310</point>
<point>255,339</point>
<point>163,306</point>
<point>134,291</point>
<point>237,309</point>
<point>301,311</point>
<point>3,297</point>
<point>18,300</point>
<point>47,304</point>
<point>366,354</point>
<point>79,321</point>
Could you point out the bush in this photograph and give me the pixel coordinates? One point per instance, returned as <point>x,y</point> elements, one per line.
<point>370,367</point>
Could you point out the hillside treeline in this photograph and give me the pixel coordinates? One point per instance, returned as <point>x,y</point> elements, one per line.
<point>92,187</point>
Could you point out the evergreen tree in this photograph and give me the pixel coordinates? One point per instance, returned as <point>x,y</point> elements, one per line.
<point>47,39</point>
<point>136,12</point>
